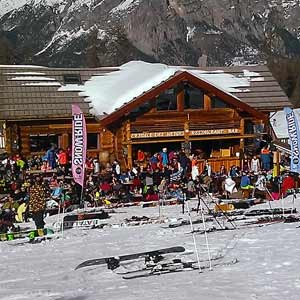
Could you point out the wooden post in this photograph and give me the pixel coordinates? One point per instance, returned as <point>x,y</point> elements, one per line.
<point>129,146</point>
<point>180,97</point>
<point>64,141</point>
<point>242,143</point>
<point>276,161</point>
<point>187,136</point>
<point>207,102</point>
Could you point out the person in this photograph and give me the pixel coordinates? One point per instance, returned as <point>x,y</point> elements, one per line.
<point>62,159</point>
<point>229,186</point>
<point>184,163</point>
<point>141,156</point>
<point>255,165</point>
<point>37,202</point>
<point>164,156</point>
<point>265,157</point>
<point>246,185</point>
<point>51,157</point>
<point>207,169</point>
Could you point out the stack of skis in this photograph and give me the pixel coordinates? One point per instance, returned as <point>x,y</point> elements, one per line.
<point>153,263</point>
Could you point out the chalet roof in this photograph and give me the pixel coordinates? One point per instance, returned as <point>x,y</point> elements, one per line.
<point>34,92</point>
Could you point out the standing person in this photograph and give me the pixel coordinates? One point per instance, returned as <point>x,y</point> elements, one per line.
<point>265,157</point>
<point>255,165</point>
<point>164,156</point>
<point>184,163</point>
<point>51,157</point>
<point>62,159</point>
<point>37,202</point>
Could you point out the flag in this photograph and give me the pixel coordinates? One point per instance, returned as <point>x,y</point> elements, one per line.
<point>294,135</point>
<point>79,139</point>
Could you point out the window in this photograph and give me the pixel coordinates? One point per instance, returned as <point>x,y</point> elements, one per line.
<point>193,97</point>
<point>72,79</point>
<point>92,141</point>
<point>42,142</point>
<point>167,101</point>
<point>218,103</point>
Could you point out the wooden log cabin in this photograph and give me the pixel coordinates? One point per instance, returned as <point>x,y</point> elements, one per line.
<point>215,112</point>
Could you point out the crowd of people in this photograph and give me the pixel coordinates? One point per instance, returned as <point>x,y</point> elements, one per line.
<point>44,184</point>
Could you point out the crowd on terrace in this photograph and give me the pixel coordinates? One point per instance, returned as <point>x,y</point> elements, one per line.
<point>167,174</point>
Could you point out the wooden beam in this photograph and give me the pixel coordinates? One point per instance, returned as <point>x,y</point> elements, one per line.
<point>207,102</point>
<point>206,138</point>
<point>180,97</point>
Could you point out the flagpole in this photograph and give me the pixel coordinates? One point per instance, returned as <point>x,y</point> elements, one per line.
<point>79,148</point>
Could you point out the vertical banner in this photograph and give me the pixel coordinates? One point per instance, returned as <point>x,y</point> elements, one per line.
<point>79,140</point>
<point>294,136</point>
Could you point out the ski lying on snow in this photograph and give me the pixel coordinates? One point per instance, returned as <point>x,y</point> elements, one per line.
<point>113,261</point>
<point>172,262</point>
<point>173,268</point>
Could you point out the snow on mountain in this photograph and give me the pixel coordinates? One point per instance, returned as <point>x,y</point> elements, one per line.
<point>177,32</point>
<point>9,5</point>
<point>125,5</point>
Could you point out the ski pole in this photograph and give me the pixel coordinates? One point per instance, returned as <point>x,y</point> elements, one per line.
<point>220,208</point>
<point>201,199</point>
<point>206,236</point>
<point>194,238</point>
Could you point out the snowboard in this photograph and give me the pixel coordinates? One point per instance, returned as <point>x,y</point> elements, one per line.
<point>113,262</point>
<point>86,216</point>
<point>31,234</point>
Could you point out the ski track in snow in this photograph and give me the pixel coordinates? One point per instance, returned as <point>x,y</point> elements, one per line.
<point>267,268</point>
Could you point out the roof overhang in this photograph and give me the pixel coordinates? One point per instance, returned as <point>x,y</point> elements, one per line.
<point>172,81</point>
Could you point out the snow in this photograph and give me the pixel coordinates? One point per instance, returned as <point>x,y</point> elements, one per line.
<point>125,5</point>
<point>24,73</point>
<point>42,84</point>
<point>280,123</point>
<point>190,33</point>
<point>22,67</point>
<point>141,77</point>
<point>267,267</point>
<point>32,78</point>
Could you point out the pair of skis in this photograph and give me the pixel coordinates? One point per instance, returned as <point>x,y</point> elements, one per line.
<point>154,263</point>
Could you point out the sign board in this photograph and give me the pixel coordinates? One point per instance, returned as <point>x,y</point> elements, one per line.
<point>215,131</point>
<point>143,135</point>
<point>80,223</point>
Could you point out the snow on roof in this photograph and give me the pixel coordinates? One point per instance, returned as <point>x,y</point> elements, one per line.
<point>109,92</point>
<point>226,82</point>
<point>21,66</point>
<point>32,78</point>
<point>279,123</point>
<point>25,73</point>
<point>42,84</point>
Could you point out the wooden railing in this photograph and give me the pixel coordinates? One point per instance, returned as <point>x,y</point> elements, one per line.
<point>216,163</point>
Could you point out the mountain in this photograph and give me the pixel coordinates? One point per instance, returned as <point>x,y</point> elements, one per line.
<point>178,32</point>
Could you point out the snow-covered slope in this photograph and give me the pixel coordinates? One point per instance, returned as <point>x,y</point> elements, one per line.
<point>267,267</point>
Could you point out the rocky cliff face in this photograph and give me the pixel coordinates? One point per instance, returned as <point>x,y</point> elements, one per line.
<point>105,32</point>
<point>111,32</point>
